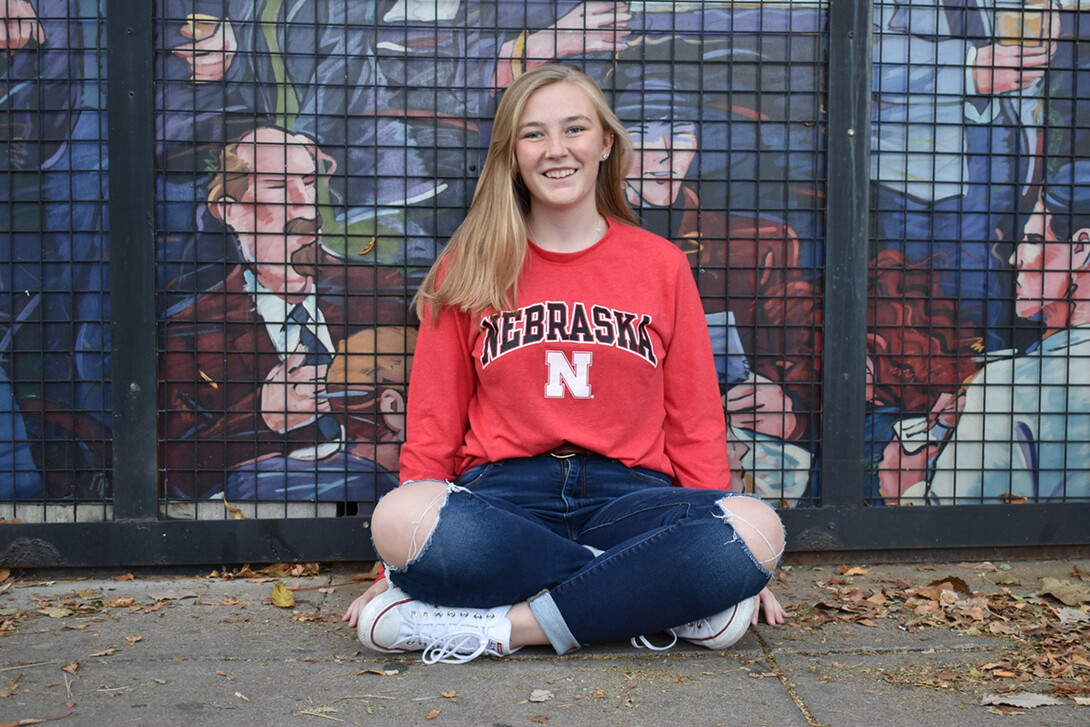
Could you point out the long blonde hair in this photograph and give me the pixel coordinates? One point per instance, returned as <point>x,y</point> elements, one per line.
<point>482,261</point>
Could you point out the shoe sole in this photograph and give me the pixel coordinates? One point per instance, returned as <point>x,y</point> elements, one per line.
<point>375,609</point>
<point>739,619</point>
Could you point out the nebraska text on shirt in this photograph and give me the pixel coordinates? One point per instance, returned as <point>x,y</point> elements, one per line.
<point>563,322</point>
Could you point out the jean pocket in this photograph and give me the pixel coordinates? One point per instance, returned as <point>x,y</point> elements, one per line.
<point>653,477</point>
<point>474,476</point>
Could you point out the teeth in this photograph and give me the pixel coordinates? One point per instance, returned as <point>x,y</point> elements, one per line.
<point>560,174</point>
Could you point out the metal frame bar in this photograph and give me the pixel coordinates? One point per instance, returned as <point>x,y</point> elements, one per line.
<point>898,533</point>
<point>132,258</point>
<point>846,242</point>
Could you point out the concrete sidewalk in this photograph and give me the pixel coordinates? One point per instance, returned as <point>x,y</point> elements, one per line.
<point>194,649</point>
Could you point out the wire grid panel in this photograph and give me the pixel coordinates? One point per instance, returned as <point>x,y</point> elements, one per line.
<point>979,388</point>
<point>375,118</point>
<point>55,408</point>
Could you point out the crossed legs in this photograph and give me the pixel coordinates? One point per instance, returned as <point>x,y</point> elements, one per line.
<point>406,519</point>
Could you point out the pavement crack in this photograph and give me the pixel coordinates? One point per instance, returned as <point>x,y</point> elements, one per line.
<point>789,686</point>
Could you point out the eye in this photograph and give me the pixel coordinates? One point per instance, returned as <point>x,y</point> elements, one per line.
<point>532,135</point>
<point>576,129</point>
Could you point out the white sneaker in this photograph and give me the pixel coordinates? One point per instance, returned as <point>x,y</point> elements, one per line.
<point>721,630</point>
<point>394,621</point>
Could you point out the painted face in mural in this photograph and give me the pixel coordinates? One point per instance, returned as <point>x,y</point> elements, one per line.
<point>1045,266</point>
<point>664,152</point>
<point>559,148</point>
<point>277,219</point>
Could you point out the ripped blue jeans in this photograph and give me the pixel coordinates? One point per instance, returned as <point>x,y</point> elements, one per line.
<point>515,530</point>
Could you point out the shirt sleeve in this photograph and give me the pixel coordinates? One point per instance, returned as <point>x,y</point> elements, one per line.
<point>695,426</point>
<point>441,386</point>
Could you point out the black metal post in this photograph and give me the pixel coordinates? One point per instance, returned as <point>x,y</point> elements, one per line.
<point>846,242</point>
<point>132,258</point>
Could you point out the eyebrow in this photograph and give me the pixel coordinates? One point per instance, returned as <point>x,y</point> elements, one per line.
<point>568,120</point>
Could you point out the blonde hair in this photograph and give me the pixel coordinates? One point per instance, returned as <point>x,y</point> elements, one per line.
<point>481,263</point>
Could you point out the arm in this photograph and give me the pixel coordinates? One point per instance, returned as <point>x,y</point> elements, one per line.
<point>588,28</point>
<point>441,386</point>
<point>695,427</point>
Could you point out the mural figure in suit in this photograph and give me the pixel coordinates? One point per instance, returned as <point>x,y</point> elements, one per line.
<point>249,409</point>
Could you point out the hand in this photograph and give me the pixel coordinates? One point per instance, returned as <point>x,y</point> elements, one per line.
<point>18,25</point>
<point>774,612</point>
<point>352,615</point>
<point>899,470</point>
<point>1004,68</point>
<point>209,54</point>
<point>292,393</point>
<point>762,406</point>
<point>590,27</point>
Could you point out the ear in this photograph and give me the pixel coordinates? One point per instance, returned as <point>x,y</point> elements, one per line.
<point>226,210</point>
<point>1080,253</point>
<point>608,148</point>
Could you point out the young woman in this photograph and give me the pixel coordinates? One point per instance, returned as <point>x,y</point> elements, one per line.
<point>564,477</point>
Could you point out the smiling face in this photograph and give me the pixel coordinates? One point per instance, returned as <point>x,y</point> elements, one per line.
<point>559,146</point>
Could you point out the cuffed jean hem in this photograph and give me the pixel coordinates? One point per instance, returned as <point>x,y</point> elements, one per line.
<point>552,623</point>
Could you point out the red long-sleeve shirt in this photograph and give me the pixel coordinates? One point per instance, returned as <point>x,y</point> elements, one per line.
<point>607,349</point>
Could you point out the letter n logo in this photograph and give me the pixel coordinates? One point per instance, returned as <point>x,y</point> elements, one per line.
<point>574,374</point>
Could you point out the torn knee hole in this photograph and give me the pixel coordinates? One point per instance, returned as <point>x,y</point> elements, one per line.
<point>731,518</point>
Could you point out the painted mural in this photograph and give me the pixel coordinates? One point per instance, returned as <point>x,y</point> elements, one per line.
<point>312,156</point>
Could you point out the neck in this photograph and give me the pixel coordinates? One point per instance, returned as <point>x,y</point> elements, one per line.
<point>1074,310</point>
<point>566,233</point>
<point>283,281</point>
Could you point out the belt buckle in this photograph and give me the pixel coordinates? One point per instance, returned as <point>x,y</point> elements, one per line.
<point>562,455</point>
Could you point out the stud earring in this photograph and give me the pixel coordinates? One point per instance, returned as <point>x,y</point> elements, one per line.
<point>605,156</point>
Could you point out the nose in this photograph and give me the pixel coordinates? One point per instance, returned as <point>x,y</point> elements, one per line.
<point>555,146</point>
<point>300,198</point>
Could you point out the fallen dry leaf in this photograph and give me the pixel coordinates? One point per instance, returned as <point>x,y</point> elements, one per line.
<point>236,514</point>
<point>1068,592</point>
<point>540,695</point>
<point>539,718</point>
<point>124,577</point>
<point>108,651</point>
<point>282,597</point>
<point>227,674</point>
<point>133,638</point>
<point>56,611</point>
<point>35,720</point>
<point>432,714</point>
<point>71,668</point>
<point>380,672</point>
<point>120,601</point>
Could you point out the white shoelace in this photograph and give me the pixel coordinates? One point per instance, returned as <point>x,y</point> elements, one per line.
<point>455,648</point>
<point>642,642</point>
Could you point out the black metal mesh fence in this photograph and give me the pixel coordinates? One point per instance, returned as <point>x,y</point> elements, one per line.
<point>55,409</point>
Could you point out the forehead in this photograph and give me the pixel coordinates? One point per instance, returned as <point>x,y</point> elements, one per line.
<point>277,154</point>
<point>557,100</point>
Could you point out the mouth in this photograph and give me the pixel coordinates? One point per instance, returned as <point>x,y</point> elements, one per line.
<point>559,173</point>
